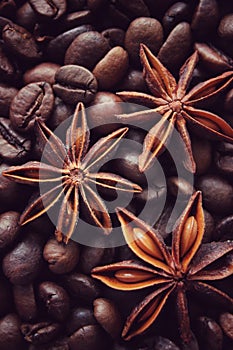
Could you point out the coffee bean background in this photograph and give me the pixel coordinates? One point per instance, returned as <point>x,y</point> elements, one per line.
<point>54,54</point>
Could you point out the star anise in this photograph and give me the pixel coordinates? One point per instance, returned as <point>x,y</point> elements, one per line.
<point>186,266</point>
<point>176,106</point>
<point>71,172</point>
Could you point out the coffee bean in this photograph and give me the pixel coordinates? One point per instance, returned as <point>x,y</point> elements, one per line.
<point>209,333</point>
<point>158,343</point>
<point>7,8</point>
<point>79,318</point>
<point>57,344</point>
<point>178,12</point>
<point>209,227</point>
<point>22,264</point>
<point>26,16</point>
<point>115,36</point>
<point>42,72</point>
<point>143,30</point>
<point>176,184</point>
<point>61,111</point>
<point>20,42</point>
<point>133,81</point>
<point>217,194</point>
<point>48,9</point>
<point>224,158</point>
<point>75,84</point>
<point>93,256</point>
<point>177,47</point>
<point>57,47</point>
<point>33,101</point>
<point>25,301</point>
<point>205,18</point>
<point>87,49</point>
<point>90,337</point>
<point>7,93</point>
<point>224,229</point>
<point>202,153</point>
<point>9,228</point>
<point>10,335</point>
<point>82,287</point>
<point>62,258</point>
<point>75,19</point>
<point>14,148</point>
<point>226,322</point>
<point>8,70</point>
<point>108,316</point>
<point>40,333</point>
<point>112,68</point>
<point>55,300</point>
<point>225,28</point>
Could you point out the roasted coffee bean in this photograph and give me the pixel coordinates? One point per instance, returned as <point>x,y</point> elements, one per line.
<point>158,343</point>
<point>82,287</point>
<point>8,71</point>
<point>14,148</point>
<point>10,335</point>
<point>26,16</point>
<point>178,12</point>
<point>224,229</point>
<point>55,300</point>
<point>202,153</point>
<point>209,227</point>
<point>176,184</point>
<point>177,47</point>
<point>112,68</point>
<point>209,333</point>
<point>226,322</point>
<point>20,42</point>
<point>62,258</point>
<point>22,263</point>
<point>205,18</point>
<point>61,111</point>
<point>93,256</point>
<point>40,333</point>
<point>133,81</point>
<point>225,28</point>
<point>146,31</point>
<point>7,93</point>
<point>75,84</point>
<point>42,72</point>
<point>33,101</point>
<point>115,36</point>
<point>48,9</point>
<point>76,19</point>
<point>78,318</point>
<point>87,49</point>
<point>224,158</point>
<point>217,194</point>
<point>25,302</point>
<point>9,228</point>
<point>90,337</point>
<point>57,47</point>
<point>108,316</point>
<point>57,344</point>
<point>7,8</point>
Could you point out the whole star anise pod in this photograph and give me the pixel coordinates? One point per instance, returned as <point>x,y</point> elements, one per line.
<point>186,266</point>
<point>174,106</point>
<point>71,171</point>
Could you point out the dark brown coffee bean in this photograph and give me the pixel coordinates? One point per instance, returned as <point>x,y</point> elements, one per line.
<point>87,49</point>
<point>115,36</point>
<point>42,72</point>
<point>178,12</point>
<point>209,227</point>
<point>57,344</point>
<point>25,302</point>
<point>75,84</point>
<point>226,322</point>
<point>158,343</point>
<point>33,101</point>
<point>14,148</point>
<point>61,111</point>
<point>26,16</point>
<point>177,47</point>
<point>202,153</point>
<point>8,71</point>
<point>10,335</point>
<point>108,316</point>
<point>225,29</point>
<point>9,228</point>
<point>40,333</point>
<point>224,229</point>
<point>176,184</point>
<point>55,300</point>
<point>133,81</point>
<point>82,287</point>
<point>62,258</point>
<point>7,93</point>
<point>22,264</point>
<point>49,9</point>
<point>146,31</point>
<point>90,337</point>
<point>112,68</point>
<point>209,333</point>
<point>7,8</point>
<point>205,18</point>
<point>57,47</point>
<point>20,42</point>
<point>217,194</point>
<point>76,19</point>
<point>224,158</point>
<point>79,318</point>
<point>92,256</point>
<point>213,59</point>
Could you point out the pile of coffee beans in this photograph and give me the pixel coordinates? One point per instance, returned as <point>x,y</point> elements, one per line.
<point>54,54</point>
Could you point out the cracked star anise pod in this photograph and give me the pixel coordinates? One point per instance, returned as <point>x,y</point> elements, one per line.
<point>172,106</point>
<point>70,173</point>
<point>188,265</point>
